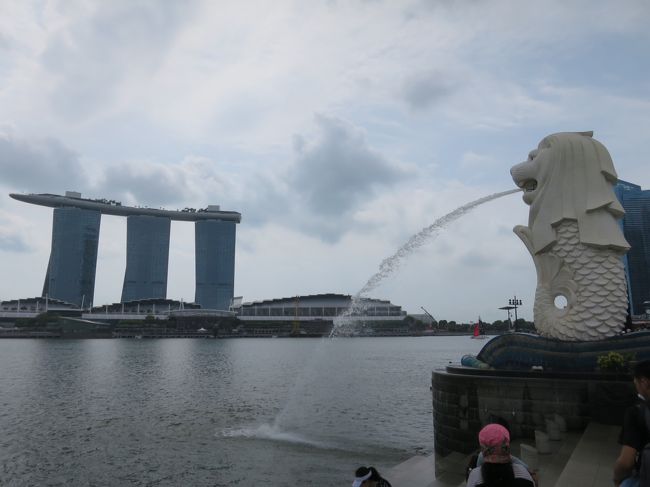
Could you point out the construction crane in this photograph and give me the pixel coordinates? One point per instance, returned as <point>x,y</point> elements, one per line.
<point>433,320</point>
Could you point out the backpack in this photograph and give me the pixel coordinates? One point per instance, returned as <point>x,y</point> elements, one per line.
<point>644,455</point>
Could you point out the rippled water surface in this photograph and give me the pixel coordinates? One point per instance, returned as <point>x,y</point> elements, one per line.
<point>215,412</point>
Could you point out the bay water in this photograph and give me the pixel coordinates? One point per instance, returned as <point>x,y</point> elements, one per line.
<point>277,412</point>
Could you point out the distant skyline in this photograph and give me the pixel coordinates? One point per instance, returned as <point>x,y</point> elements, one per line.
<point>337,129</point>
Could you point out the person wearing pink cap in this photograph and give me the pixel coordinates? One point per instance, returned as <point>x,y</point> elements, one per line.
<point>497,469</point>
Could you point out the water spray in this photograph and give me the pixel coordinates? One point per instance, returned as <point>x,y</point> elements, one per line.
<point>390,264</point>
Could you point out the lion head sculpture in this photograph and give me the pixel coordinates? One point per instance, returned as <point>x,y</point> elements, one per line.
<point>571,176</point>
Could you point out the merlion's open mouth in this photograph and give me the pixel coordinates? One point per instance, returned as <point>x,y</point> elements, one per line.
<point>528,185</point>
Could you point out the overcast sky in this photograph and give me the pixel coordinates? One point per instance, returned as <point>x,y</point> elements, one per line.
<point>337,128</point>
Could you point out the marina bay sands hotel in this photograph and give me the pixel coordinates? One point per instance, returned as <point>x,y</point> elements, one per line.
<point>75,239</point>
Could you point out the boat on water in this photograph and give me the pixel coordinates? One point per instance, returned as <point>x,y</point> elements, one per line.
<point>478,333</point>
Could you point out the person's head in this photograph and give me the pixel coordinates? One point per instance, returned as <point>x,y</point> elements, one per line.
<point>495,443</point>
<point>642,378</point>
<point>366,477</point>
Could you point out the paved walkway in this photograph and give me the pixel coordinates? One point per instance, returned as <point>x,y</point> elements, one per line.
<point>592,462</point>
<point>584,459</point>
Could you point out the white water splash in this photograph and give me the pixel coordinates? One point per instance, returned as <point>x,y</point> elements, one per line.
<point>392,263</point>
<point>272,432</point>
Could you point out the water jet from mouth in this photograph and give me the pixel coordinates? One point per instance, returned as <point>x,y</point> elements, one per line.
<point>389,265</point>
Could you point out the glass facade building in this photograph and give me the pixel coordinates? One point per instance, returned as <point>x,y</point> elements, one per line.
<point>147,257</point>
<point>75,241</point>
<point>636,227</point>
<point>73,259</point>
<point>215,263</point>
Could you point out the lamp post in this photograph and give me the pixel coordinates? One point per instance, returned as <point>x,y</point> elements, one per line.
<point>515,303</point>
<point>508,308</point>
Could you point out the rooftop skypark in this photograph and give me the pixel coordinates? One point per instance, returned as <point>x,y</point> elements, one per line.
<point>111,207</point>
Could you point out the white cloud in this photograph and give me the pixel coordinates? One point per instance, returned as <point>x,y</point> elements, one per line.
<point>423,90</point>
<point>39,165</point>
<point>472,161</point>
<point>333,175</point>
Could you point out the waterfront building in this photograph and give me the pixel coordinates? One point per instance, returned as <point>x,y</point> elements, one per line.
<point>214,242</point>
<point>636,227</point>
<point>71,269</point>
<point>142,307</point>
<point>317,307</point>
<point>315,314</point>
<point>147,257</point>
<point>26,308</point>
<point>75,238</point>
<point>161,318</point>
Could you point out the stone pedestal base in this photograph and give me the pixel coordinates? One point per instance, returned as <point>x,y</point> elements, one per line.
<point>466,399</point>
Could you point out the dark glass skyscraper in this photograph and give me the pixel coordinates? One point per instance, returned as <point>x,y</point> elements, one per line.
<point>73,258</point>
<point>636,227</point>
<point>147,257</point>
<point>215,263</point>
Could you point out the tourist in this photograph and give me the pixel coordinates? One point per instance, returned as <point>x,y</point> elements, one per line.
<point>497,469</point>
<point>634,434</point>
<point>478,461</point>
<point>369,477</point>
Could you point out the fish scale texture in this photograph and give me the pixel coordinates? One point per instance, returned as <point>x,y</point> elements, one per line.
<point>594,279</point>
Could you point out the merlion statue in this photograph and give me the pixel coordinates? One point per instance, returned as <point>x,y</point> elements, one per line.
<point>574,237</point>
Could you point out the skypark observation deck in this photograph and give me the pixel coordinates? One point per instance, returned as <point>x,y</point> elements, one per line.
<point>75,240</point>
<point>109,207</point>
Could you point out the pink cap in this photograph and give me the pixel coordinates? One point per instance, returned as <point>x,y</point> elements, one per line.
<point>493,435</point>
<point>495,443</point>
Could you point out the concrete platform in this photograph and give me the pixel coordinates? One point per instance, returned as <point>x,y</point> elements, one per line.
<point>417,471</point>
<point>585,459</point>
<point>591,463</point>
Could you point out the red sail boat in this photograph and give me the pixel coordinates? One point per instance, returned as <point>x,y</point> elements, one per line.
<point>477,330</point>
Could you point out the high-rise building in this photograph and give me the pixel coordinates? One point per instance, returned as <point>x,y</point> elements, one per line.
<point>214,242</point>
<point>147,257</point>
<point>75,238</point>
<point>636,227</point>
<point>73,259</point>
